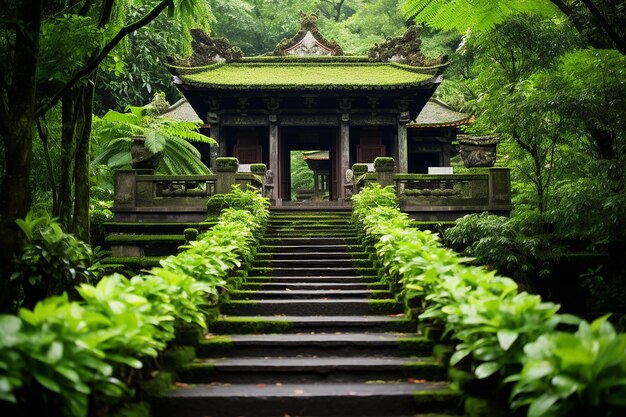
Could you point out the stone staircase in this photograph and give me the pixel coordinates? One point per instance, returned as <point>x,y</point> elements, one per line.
<point>312,332</point>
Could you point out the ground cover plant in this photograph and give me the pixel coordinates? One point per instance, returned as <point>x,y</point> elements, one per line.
<point>497,330</point>
<point>79,356</point>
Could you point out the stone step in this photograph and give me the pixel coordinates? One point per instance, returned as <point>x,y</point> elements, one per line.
<point>311,255</point>
<point>318,307</point>
<point>322,279</point>
<point>308,263</point>
<point>270,370</point>
<point>310,234</point>
<point>155,228</point>
<point>306,272</point>
<point>308,294</point>
<point>340,248</point>
<point>314,345</point>
<point>310,241</point>
<point>287,324</point>
<point>131,245</point>
<point>321,400</point>
<point>274,285</point>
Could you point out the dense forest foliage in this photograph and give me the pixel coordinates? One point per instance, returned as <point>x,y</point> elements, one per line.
<point>546,76</point>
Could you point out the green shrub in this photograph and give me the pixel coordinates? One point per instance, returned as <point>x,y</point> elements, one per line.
<point>574,374</point>
<point>506,333</point>
<point>67,356</point>
<point>248,200</point>
<point>50,261</point>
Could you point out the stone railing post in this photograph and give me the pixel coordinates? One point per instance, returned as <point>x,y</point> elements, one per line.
<point>226,168</point>
<point>125,188</point>
<point>499,187</point>
<point>384,167</point>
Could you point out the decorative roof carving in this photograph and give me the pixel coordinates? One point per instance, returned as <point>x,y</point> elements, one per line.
<point>208,50</point>
<point>405,49</point>
<point>309,40</point>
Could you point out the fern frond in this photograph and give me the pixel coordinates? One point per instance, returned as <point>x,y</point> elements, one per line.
<point>478,15</point>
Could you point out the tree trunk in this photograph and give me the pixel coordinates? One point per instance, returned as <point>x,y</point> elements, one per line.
<point>82,183</point>
<point>69,117</point>
<point>17,119</point>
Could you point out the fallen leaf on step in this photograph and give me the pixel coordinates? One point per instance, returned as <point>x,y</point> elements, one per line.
<point>417,381</point>
<point>278,384</point>
<point>298,391</point>
<point>261,385</point>
<point>396,315</point>
<point>181,384</point>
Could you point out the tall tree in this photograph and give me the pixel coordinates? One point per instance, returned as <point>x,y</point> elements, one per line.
<point>23,100</point>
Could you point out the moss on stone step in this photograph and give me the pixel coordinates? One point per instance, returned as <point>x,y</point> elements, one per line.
<point>385,306</point>
<point>177,357</point>
<point>242,325</point>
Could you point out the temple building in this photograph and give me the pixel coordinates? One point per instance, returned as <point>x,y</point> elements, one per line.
<point>307,95</point>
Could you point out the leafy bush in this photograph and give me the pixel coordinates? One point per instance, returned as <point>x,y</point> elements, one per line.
<point>574,374</point>
<point>512,246</point>
<point>504,331</point>
<point>69,355</point>
<point>50,261</point>
<point>248,200</point>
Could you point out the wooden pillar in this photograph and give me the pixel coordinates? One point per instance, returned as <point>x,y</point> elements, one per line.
<point>274,163</point>
<point>216,150</point>
<point>344,153</point>
<point>402,161</point>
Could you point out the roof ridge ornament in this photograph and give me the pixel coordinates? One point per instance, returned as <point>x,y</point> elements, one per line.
<point>309,40</point>
<point>209,50</point>
<point>405,49</point>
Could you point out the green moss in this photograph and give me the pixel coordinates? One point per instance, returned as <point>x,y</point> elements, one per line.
<point>379,294</point>
<point>190,234</point>
<point>133,261</point>
<point>306,75</point>
<point>450,400</point>
<point>415,345</point>
<point>261,272</point>
<point>384,306</point>
<point>242,325</point>
<point>362,263</point>
<point>384,164</point>
<point>359,169</point>
<point>432,371</point>
<point>226,164</point>
<point>177,357</point>
<point>160,383</point>
<point>485,407</point>
<point>258,169</point>
<point>367,271</point>
<point>442,353</point>
<point>125,239</point>
<point>133,410</point>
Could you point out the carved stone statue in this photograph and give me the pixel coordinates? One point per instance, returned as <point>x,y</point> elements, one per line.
<point>268,183</point>
<point>209,50</point>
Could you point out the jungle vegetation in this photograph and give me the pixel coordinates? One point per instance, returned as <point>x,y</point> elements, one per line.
<point>546,75</point>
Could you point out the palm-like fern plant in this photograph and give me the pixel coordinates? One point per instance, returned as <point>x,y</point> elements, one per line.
<point>170,137</point>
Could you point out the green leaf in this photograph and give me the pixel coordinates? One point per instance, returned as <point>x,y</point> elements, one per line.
<point>506,338</point>
<point>55,353</point>
<point>48,382</point>
<point>540,406</point>
<point>486,369</point>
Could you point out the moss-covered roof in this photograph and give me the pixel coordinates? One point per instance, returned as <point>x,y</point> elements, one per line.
<point>306,75</point>
<point>437,114</point>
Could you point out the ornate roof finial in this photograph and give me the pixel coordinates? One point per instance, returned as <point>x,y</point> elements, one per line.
<point>309,40</point>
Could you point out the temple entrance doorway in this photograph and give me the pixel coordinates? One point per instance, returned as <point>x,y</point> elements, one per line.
<point>308,165</point>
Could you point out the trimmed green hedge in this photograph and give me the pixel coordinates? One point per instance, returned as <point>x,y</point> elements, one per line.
<point>499,331</point>
<point>69,356</point>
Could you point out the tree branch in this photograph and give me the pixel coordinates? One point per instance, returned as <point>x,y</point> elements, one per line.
<point>93,63</point>
<point>619,42</point>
